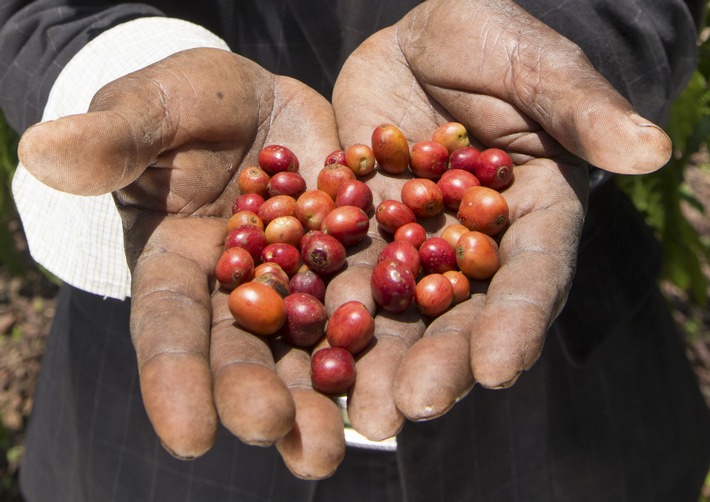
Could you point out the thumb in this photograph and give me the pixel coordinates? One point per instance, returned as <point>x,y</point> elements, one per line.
<point>88,154</point>
<point>195,96</point>
<point>536,70</point>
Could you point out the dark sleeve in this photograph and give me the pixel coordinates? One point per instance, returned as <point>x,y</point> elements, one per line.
<point>645,48</point>
<point>38,38</point>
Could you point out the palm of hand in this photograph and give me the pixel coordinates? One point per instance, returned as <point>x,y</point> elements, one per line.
<point>256,398</point>
<point>168,141</point>
<point>494,336</point>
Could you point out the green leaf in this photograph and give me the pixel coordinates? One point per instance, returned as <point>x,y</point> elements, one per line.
<point>687,111</point>
<point>9,255</point>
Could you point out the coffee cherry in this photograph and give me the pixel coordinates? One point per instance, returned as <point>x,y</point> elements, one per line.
<point>429,159</point>
<point>244,217</point>
<point>331,178</point>
<point>433,295</point>
<point>401,251</point>
<point>390,148</point>
<point>274,207</point>
<point>322,253</point>
<point>335,157</point>
<point>360,159</point>
<point>270,267</point>
<point>348,224</point>
<point>453,183</point>
<point>247,202</point>
<point>452,233</point>
<point>312,207</point>
<point>436,256</point>
<point>285,255</point>
<point>257,308</point>
<point>332,370</point>
<point>275,281</point>
<point>464,158</point>
<point>494,168</point>
<point>483,209</point>
<point>277,158</point>
<point>423,197</point>
<point>249,237</point>
<point>460,284</point>
<point>354,193</point>
<point>307,281</point>
<point>392,214</point>
<point>351,327</point>
<point>253,180</point>
<point>451,135</point>
<point>286,229</point>
<point>413,233</point>
<point>477,255</point>
<point>306,319</point>
<point>234,267</point>
<point>286,183</point>
<point>392,285</point>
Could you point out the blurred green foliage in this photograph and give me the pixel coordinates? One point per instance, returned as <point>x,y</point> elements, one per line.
<point>9,255</point>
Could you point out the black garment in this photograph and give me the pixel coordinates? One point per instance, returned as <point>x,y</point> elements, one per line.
<point>627,426</point>
<point>619,420</point>
<point>91,440</point>
<point>644,47</point>
<point>611,411</point>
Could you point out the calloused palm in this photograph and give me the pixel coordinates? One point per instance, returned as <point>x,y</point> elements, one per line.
<point>168,141</point>
<point>517,85</point>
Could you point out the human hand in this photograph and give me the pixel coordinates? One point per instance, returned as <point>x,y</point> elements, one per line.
<point>169,141</point>
<point>516,85</point>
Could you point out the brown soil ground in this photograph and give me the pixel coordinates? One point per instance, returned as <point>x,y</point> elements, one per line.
<point>27,306</point>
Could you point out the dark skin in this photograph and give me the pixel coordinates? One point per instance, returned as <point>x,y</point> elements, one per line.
<point>169,140</point>
<point>532,94</point>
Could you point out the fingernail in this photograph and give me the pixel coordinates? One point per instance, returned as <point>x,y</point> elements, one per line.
<point>640,121</point>
<point>509,383</point>
<point>174,454</point>
<point>658,149</point>
<point>465,392</point>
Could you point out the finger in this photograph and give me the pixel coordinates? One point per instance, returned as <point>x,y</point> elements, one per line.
<point>197,95</point>
<point>436,372</point>
<point>538,258</point>
<point>371,408</point>
<point>371,402</point>
<point>253,403</point>
<point>353,283</point>
<point>88,154</point>
<point>170,328</point>
<point>315,446</point>
<point>504,51</point>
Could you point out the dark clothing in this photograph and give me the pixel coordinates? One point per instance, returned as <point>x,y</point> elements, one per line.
<point>629,425</point>
<point>644,47</point>
<point>618,420</point>
<point>611,412</point>
<point>92,441</point>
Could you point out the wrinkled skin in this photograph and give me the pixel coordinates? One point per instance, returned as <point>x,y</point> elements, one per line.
<point>189,123</point>
<point>525,90</point>
<point>169,140</point>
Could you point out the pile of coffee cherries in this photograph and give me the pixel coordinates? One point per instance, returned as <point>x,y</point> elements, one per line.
<point>285,240</point>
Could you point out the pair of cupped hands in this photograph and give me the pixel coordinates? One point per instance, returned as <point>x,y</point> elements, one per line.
<point>169,140</point>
